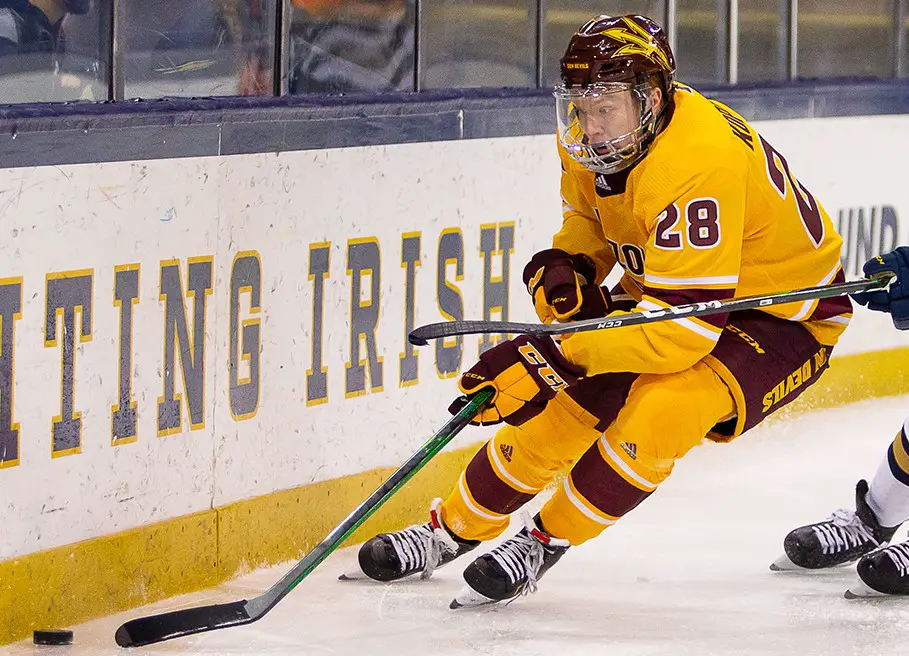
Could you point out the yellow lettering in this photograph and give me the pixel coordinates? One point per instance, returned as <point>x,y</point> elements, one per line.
<point>751,341</point>
<point>820,359</point>
<point>532,355</point>
<point>553,379</point>
<point>792,382</point>
<point>779,392</point>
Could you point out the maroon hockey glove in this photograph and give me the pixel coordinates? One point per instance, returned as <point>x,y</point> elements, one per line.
<point>595,303</point>
<point>564,286</point>
<point>525,372</point>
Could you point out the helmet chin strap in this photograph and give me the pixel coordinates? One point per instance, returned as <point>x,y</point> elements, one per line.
<point>658,119</point>
<point>644,145</point>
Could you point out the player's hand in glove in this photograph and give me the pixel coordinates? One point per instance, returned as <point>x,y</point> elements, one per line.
<point>894,300</point>
<point>525,372</point>
<point>564,286</point>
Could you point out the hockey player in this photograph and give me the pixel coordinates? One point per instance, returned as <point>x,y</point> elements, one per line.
<point>883,506</point>
<point>694,205</point>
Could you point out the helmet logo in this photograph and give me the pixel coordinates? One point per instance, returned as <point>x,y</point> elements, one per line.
<point>638,41</point>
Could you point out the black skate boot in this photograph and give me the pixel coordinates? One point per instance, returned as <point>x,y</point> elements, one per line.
<point>883,572</point>
<point>841,538</point>
<point>419,548</point>
<point>511,569</point>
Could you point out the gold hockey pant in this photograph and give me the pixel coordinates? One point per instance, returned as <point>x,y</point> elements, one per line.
<point>611,473</point>
<point>619,435</point>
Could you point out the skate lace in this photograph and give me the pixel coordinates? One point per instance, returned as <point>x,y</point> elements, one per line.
<point>421,547</point>
<point>899,554</point>
<point>521,557</point>
<point>841,531</point>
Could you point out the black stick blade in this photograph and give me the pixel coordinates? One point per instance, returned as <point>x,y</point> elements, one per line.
<point>155,628</point>
<point>416,340</point>
<point>421,335</point>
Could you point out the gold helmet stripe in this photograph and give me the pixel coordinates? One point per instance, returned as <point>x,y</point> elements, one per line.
<point>637,42</point>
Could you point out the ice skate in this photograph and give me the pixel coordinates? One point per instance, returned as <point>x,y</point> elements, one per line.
<point>419,548</point>
<point>511,569</point>
<point>884,572</point>
<point>840,539</point>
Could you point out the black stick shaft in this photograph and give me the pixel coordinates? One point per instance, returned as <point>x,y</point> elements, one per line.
<point>421,335</point>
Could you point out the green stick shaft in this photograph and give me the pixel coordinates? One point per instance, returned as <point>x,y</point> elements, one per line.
<point>156,628</point>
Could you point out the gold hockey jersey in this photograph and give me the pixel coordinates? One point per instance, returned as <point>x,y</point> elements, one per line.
<point>712,212</point>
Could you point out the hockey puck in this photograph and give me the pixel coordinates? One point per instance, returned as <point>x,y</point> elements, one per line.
<point>53,637</point>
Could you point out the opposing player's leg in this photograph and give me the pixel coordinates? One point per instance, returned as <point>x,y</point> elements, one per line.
<point>886,571</point>
<point>841,538</point>
<point>883,572</point>
<point>848,535</point>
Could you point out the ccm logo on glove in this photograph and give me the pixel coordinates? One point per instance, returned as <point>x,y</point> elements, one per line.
<point>525,373</point>
<point>564,286</point>
<point>547,373</point>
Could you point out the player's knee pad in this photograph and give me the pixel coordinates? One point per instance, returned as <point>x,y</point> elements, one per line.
<point>530,455</point>
<point>666,415</point>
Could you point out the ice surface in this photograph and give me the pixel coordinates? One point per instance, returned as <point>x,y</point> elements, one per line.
<point>685,573</point>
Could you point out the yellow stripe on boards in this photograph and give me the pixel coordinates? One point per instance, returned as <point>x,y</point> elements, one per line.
<point>854,378</point>
<point>75,583</point>
<point>67,585</point>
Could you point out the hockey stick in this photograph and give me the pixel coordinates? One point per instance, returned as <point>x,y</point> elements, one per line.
<point>421,336</point>
<point>156,628</point>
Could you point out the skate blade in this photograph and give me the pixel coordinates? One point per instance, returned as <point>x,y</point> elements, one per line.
<point>470,598</point>
<point>354,574</point>
<point>784,564</point>
<point>861,591</point>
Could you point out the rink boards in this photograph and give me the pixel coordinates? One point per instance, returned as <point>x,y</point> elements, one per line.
<point>203,362</point>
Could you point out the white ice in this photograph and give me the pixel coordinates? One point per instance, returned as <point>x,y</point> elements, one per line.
<point>685,573</point>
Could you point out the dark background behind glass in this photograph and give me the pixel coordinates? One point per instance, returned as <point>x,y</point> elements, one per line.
<point>196,47</point>
<point>701,41</point>
<point>230,47</point>
<point>838,38</point>
<point>478,44</point>
<point>78,69</point>
<point>763,40</point>
<point>562,18</point>
<point>352,45</point>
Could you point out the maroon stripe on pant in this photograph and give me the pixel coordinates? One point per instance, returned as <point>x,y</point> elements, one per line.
<point>688,296</point>
<point>489,490</point>
<point>602,485</point>
<point>831,307</point>
<point>602,395</point>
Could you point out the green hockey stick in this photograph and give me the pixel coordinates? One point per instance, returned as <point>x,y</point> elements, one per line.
<point>156,628</point>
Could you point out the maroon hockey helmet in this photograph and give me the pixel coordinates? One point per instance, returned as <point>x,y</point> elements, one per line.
<point>617,49</point>
<point>612,55</point>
